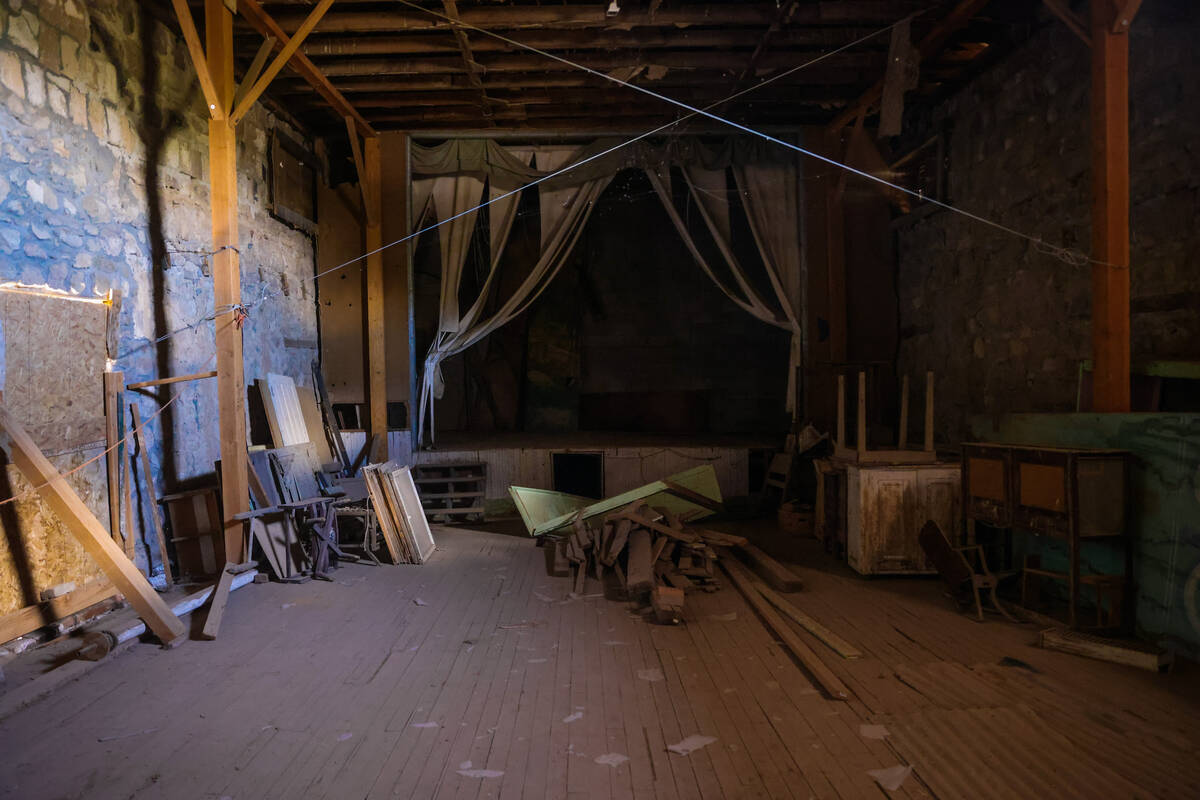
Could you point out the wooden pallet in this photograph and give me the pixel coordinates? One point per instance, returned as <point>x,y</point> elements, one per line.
<point>451,491</point>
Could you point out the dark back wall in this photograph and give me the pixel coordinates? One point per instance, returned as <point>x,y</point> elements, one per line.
<point>631,336</point>
<point>1005,326</point>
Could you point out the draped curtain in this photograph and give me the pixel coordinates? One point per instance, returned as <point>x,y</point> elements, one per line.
<point>766,179</point>
<point>563,214</point>
<point>769,197</point>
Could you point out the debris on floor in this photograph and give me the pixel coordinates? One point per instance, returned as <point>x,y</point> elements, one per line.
<point>691,744</point>
<point>891,778</point>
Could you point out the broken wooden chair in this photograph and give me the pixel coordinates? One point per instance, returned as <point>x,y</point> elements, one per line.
<point>957,571</point>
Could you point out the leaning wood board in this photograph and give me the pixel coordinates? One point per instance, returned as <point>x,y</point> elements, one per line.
<point>91,534</point>
<point>383,513</point>
<point>216,608</point>
<point>412,515</point>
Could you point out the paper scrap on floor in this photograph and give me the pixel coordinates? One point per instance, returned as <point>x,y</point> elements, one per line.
<point>691,744</point>
<point>892,777</point>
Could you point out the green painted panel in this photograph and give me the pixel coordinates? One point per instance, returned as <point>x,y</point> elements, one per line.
<point>701,480</point>
<point>1164,495</point>
<point>536,506</point>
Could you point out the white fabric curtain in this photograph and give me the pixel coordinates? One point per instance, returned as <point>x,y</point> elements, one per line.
<point>769,197</point>
<point>564,212</point>
<point>456,202</point>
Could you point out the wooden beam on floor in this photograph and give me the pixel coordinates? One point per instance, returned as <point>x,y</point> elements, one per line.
<point>84,526</point>
<point>833,640</point>
<point>191,38</point>
<point>253,13</point>
<point>281,60</point>
<point>1110,212</point>
<point>824,676</point>
<point>227,287</point>
<point>376,323</point>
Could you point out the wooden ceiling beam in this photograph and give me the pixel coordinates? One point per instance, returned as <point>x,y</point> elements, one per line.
<point>692,95</point>
<point>285,54</point>
<point>667,39</point>
<point>844,64</point>
<point>1069,18</point>
<point>191,37</point>
<point>929,46</point>
<point>253,13</point>
<point>472,67</point>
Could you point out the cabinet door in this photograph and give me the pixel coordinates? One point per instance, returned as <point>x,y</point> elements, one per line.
<point>889,528</point>
<point>941,501</point>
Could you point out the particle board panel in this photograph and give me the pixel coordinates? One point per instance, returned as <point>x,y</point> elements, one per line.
<point>52,357</point>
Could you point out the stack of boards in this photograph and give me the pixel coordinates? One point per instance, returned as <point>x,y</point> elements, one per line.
<point>654,556</point>
<point>398,509</point>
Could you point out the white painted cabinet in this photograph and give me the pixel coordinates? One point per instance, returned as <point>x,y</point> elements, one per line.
<point>886,506</point>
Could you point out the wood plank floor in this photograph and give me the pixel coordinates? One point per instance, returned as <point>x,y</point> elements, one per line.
<point>408,681</point>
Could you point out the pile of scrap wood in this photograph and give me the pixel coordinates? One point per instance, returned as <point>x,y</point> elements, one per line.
<point>398,509</point>
<point>647,540</point>
<point>653,554</point>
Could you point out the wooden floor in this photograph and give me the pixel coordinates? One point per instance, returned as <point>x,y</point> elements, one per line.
<point>403,681</point>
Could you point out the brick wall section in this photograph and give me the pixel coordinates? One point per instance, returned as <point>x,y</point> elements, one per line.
<point>104,151</point>
<point>1004,326</point>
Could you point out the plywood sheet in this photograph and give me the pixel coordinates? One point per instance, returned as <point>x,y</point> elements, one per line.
<point>53,352</point>
<point>52,357</point>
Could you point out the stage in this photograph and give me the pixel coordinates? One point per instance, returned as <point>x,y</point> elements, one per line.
<point>627,460</point>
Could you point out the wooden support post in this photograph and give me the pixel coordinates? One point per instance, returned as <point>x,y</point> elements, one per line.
<point>902,438</point>
<point>1110,211</point>
<point>376,328</point>
<point>190,37</point>
<point>127,499</point>
<point>841,410</point>
<point>112,458</point>
<point>231,387</point>
<point>151,495</point>
<point>929,411</point>
<point>835,253</point>
<point>84,526</point>
<point>860,432</point>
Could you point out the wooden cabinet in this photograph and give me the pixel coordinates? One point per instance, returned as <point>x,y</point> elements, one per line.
<point>886,507</point>
<point>1068,493</point>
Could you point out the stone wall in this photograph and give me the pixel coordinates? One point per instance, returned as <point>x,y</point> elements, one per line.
<point>103,185</point>
<point>1004,325</point>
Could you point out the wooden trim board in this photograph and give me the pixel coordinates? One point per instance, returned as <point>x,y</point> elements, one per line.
<point>82,523</point>
<point>30,618</point>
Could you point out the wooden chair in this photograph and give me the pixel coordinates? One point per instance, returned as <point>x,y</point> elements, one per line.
<point>958,572</point>
<point>779,477</point>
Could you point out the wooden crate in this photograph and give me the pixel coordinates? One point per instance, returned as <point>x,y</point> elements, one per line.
<point>451,491</point>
